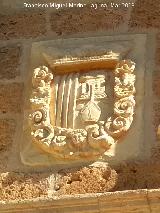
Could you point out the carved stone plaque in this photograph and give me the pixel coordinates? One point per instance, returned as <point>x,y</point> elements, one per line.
<point>81,103</point>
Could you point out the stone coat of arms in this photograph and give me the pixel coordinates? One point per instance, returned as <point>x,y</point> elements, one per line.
<point>81,107</point>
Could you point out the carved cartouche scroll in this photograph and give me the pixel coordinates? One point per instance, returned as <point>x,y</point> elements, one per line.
<point>97,138</point>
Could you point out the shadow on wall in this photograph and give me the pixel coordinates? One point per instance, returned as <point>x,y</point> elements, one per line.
<point>129,176</point>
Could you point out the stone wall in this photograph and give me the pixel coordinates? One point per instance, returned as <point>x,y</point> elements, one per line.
<point>19,27</point>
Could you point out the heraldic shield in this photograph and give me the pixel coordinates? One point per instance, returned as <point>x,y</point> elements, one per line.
<point>81,107</point>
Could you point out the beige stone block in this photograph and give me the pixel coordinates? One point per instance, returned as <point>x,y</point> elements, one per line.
<point>157,57</point>
<point>153,200</point>
<point>145,14</point>
<point>22,24</point>
<point>7,131</point>
<point>156,115</point>
<point>126,201</point>
<point>20,186</point>
<point>11,97</point>
<point>156,83</point>
<point>87,19</point>
<point>9,61</point>
<point>139,175</point>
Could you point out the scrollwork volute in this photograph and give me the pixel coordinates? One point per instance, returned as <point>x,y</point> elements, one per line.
<point>95,140</point>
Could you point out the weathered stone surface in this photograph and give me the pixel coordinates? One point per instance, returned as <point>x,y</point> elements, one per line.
<point>156,83</point>
<point>127,201</point>
<point>145,14</point>
<point>129,176</point>
<point>22,24</point>
<point>80,114</point>
<point>86,19</point>
<point>153,197</point>
<point>138,175</point>
<point>19,186</point>
<point>9,61</point>
<point>156,115</point>
<point>87,180</point>
<point>11,97</point>
<point>157,57</point>
<point>7,131</point>
<point>82,119</point>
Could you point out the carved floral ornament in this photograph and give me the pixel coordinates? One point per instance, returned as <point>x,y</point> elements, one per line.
<point>97,138</point>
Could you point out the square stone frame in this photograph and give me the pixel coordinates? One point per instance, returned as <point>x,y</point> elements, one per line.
<point>128,46</point>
